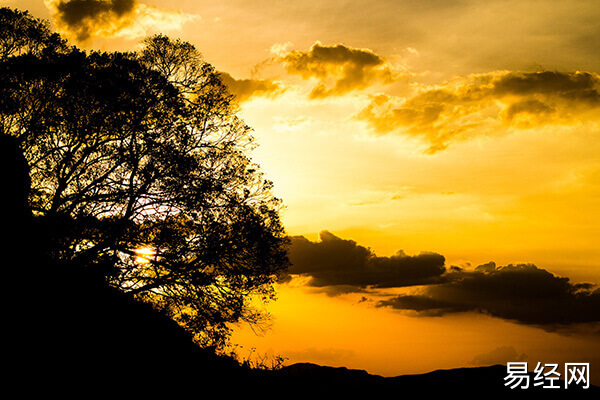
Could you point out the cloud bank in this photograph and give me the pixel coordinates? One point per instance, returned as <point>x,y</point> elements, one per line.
<point>484,104</point>
<point>471,106</point>
<point>520,293</point>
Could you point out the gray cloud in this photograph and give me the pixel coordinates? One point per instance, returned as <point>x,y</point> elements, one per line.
<point>350,267</point>
<point>132,19</point>
<point>244,89</point>
<point>74,12</point>
<point>581,86</point>
<point>522,293</point>
<point>339,69</point>
<point>473,106</point>
<point>81,15</point>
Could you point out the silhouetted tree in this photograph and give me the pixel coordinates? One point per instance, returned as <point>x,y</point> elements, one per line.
<point>139,168</point>
<point>22,33</point>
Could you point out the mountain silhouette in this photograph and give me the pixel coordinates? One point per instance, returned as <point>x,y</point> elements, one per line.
<point>470,381</point>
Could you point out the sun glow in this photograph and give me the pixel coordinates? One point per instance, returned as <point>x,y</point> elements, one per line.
<point>144,255</point>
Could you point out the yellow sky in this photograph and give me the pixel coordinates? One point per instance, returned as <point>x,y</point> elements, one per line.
<point>466,128</point>
<point>340,331</point>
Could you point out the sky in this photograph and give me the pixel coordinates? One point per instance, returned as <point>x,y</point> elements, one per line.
<point>438,161</point>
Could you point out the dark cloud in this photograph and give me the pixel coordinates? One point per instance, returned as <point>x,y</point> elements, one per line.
<point>521,293</point>
<point>132,19</point>
<point>339,69</point>
<point>529,106</point>
<point>74,12</point>
<point>575,85</point>
<point>347,266</point>
<point>479,104</point>
<point>337,290</point>
<point>80,15</point>
<point>244,89</point>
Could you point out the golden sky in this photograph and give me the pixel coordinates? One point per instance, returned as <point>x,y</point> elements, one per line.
<point>396,132</point>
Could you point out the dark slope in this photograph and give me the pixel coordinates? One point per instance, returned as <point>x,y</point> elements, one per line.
<point>64,327</point>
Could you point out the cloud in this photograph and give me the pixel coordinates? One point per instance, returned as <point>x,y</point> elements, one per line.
<point>485,104</point>
<point>347,266</point>
<point>84,19</point>
<point>73,12</point>
<point>580,85</point>
<point>500,355</point>
<point>522,293</point>
<point>338,69</point>
<point>244,89</point>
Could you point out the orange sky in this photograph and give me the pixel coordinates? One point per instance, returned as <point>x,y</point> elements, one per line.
<point>466,128</point>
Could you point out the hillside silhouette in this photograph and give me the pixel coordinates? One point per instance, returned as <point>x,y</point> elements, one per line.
<point>67,328</point>
<point>65,321</point>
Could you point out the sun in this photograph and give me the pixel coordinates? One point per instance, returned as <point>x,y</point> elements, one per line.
<point>144,255</point>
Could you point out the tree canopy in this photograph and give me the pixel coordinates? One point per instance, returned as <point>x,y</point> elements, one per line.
<point>140,167</point>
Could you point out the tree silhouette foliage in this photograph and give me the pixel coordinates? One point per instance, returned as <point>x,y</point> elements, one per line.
<point>140,169</point>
